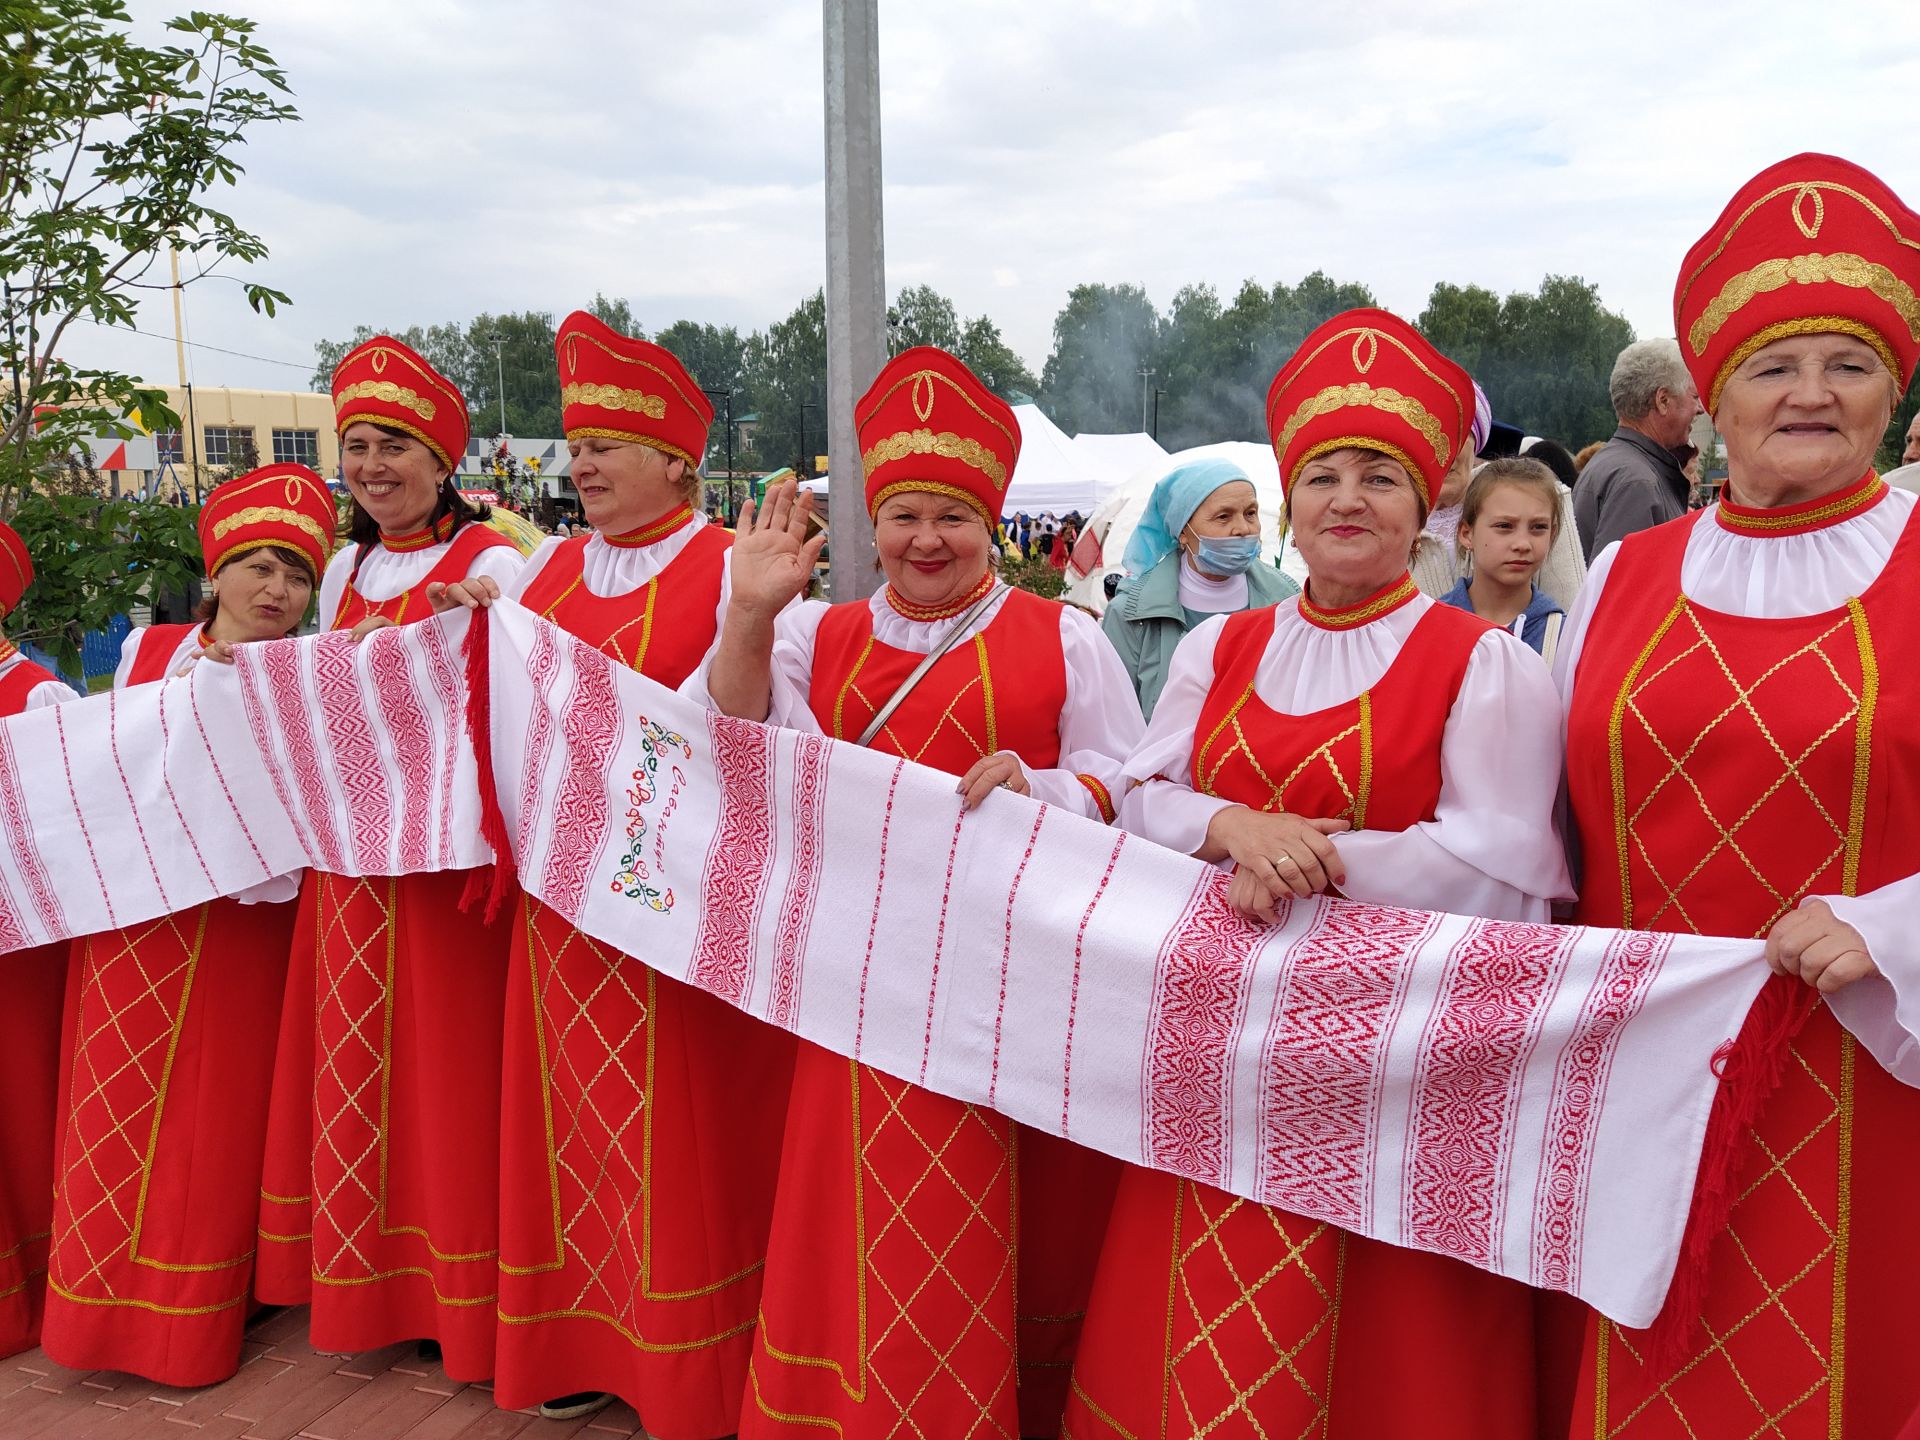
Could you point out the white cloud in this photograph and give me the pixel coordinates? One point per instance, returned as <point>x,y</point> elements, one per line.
<point>456,158</point>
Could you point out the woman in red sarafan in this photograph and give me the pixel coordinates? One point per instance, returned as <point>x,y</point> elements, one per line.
<point>31,984</point>
<point>379,1198</point>
<point>905,1223</point>
<point>167,1052</point>
<point>1741,684</point>
<point>1367,740</point>
<point>640,1117</point>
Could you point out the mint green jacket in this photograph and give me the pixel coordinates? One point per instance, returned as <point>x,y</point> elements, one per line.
<point>1146,621</point>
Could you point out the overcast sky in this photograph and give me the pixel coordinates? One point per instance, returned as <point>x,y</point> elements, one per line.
<point>455,158</point>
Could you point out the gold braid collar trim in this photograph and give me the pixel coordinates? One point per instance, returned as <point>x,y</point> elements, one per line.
<point>1359,394</point>
<point>1862,495</point>
<point>930,487</point>
<point>1388,600</point>
<point>1805,325</point>
<point>649,534</point>
<point>613,397</point>
<point>945,444</point>
<point>387,392</point>
<point>435,534</point>
<point>651,442</point>
<point>952,608</point>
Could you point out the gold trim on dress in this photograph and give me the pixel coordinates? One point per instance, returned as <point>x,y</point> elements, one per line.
<point>649,534</point>
<point>924,613</point>
<point>1862,495</point>
<point>1353,616</point>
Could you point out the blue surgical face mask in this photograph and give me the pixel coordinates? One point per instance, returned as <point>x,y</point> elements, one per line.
<point>1226,554</point>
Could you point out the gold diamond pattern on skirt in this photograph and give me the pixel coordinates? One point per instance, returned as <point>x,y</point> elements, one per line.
<point>1765,1354</point>
<point>134,993</point>
<point>1249,1302</point>
<point>1815,676</point>
<point>934,1162</point>
<point>594,1016</point>
<point>353,971</point>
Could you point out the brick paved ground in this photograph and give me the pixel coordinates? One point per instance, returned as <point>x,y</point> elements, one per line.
<point>284,1390</point>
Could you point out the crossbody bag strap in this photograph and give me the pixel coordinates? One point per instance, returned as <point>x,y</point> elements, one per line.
<point>947,642</point>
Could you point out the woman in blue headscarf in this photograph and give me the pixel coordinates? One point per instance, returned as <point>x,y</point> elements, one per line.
<point>1195,553</point>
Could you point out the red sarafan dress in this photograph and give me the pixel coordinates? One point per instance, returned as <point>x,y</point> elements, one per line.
<point>166,1060</point>
<point>893,1269</point>
<point>379,1202</point>
<point>31,984</point>
<point>641,1118</point>
<point>1216,1316</point>
<point>1736,765</point>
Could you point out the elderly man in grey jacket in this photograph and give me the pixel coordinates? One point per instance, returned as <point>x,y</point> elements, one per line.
<point>1635,481</point>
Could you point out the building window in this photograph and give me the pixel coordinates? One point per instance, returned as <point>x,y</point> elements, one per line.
<point>168,443</point>
<point>230,445</point>
<point>297,447</point>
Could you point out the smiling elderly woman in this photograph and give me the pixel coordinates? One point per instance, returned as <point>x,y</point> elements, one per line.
<point>1741,686</point>
<point>1369,739</point>
<point>931,1331</point>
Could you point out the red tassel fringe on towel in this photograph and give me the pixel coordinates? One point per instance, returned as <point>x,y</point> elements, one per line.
<point>492,882</point>
<point>1751,1069</point>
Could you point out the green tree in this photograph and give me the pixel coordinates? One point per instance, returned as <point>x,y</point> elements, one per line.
<point>525,361</point>
<point>1102,337</point>
<point>983,351</point>
<point>786,376</point>
<point>1543,358</point>
<point>925,317</point>
<point>1894,443</point>
<point>716,356</point>
<point>443,346</point>
<point>615,315</point>
<point>110,152</point>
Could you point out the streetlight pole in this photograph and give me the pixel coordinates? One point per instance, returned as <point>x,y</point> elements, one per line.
<point>1146,393</point>
<point>499,342</point>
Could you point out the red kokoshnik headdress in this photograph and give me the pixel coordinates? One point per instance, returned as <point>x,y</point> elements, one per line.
<point>1368,380</point>
<point>927,423</point>
<point>1813,245</point>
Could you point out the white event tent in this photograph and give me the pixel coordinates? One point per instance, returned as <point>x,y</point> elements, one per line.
<point>1115,457</point>
<point>1116,518</point>
<point>1059,475</point>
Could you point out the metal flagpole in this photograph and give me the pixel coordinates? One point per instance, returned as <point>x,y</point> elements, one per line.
<point>856,275</point>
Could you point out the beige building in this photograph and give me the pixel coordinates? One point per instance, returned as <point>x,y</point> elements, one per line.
<point>218,427</point>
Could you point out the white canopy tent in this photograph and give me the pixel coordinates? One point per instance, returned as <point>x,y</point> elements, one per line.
<point>1114,458</point>
<point>1051,476</point>
<point>1115,520</point>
